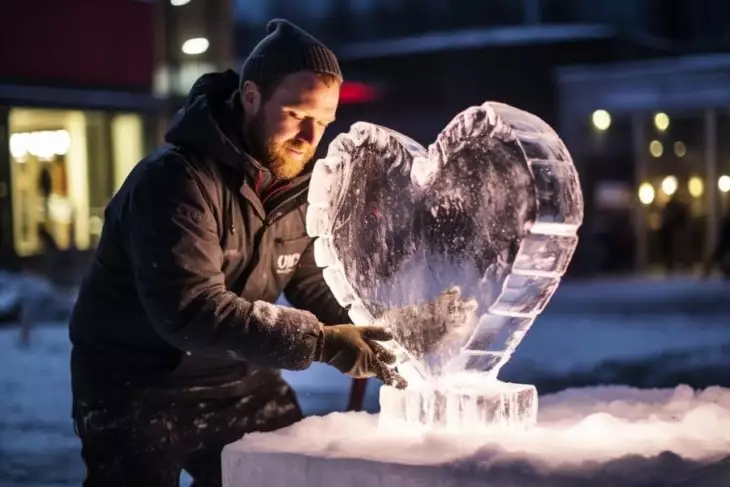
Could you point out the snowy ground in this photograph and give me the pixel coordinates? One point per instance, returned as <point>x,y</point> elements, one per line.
<point>615,333</point>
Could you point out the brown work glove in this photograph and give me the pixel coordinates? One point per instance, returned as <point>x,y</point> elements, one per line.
<point>354,350</point>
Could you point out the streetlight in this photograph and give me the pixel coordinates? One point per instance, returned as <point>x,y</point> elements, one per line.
<point>601,120</point>
<point>661,121</point>
<point>195,46</point>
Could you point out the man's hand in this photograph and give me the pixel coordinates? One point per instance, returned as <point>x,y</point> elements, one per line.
<point>354,351</point>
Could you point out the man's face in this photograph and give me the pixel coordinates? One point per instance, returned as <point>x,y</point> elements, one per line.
<point>284,130</point>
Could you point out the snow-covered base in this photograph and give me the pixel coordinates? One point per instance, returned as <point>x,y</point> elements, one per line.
<point>484,404</point>
<point>609,436</point>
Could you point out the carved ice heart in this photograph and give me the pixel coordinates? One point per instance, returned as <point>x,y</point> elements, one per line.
<point>458,247</point>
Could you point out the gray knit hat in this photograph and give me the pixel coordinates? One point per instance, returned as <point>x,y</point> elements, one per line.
<point>287,49</point>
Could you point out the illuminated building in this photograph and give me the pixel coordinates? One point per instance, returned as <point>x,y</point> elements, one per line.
<point>86,88</point>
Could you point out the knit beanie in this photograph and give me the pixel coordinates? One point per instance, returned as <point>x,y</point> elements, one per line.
<point>287,49</point>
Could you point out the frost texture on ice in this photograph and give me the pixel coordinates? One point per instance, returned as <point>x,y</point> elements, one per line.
<point>460,407</point>
<point>458,247</point>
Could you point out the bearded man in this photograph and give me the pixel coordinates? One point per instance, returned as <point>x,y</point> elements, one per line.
<point>177,345</point>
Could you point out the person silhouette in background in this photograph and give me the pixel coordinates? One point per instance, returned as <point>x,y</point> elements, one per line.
<point>720,256</point>
<point>673,232</point>
<point>45,187</point>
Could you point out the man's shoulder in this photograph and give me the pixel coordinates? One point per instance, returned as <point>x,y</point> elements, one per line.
<point>174,159</point>
<point>170,173</point>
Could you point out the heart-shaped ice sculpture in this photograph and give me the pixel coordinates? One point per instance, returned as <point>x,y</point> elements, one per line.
<point>458,247</point>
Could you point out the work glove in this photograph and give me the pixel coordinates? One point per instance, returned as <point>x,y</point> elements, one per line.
<point>354,350</point>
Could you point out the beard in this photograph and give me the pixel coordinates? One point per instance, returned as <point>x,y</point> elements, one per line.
<point>276,156</point>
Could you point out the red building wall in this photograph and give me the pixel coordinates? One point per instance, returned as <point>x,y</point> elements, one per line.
<point>78,42</point>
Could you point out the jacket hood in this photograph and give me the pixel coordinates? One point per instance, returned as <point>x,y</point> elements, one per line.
<point>209,123</point>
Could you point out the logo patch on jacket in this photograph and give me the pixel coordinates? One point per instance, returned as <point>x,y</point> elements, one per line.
<point>286,263</point>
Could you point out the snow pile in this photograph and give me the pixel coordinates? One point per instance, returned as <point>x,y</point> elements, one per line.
<point>32,298</point>
<point>609,436</point>
<point>565,344</point>
<point>641,295</point>
<point>38,446</point>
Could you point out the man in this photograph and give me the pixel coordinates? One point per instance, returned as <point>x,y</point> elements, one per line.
<point>176,345</point>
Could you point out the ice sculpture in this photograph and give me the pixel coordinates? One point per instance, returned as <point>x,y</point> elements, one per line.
<point>457,248</point>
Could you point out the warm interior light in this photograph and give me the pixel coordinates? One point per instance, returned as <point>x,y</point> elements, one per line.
<point>723,183</point>
<point>696,186</point>
<point>656,149</point>
<point>44,144</point>
<point>680,149</point>
<point>646,193</point>
<point>669,185</point>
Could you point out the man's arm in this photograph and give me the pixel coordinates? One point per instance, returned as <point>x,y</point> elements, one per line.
<point>308,290</point>
<point>174,248</point>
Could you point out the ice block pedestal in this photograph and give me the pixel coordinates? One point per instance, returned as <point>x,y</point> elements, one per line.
<point>460,408</point>
<point>350,449</point>
<point>417,433</point>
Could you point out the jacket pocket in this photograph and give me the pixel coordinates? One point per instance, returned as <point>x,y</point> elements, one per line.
<point>235,252</point>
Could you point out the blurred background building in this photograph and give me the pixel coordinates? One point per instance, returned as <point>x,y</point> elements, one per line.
<point>75,111</point>
<point>86,90</point>
<point>638,89</point>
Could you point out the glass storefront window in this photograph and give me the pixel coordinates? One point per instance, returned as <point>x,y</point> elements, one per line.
<point>722,184</point>
<point>603,152</point>
<point>45,147</point>
<point>64,167</point>
<point>672,190</point>
<point>720,231</point>
<point>676,167</point>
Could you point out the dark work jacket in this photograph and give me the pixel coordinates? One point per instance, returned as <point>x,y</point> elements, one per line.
<point>186,251</point>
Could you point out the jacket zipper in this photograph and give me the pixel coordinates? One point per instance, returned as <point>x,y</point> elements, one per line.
<point>277,213</point>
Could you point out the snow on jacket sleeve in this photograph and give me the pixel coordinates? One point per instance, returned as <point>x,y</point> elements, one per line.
<point>174,248</point>
<point>308,290</point>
